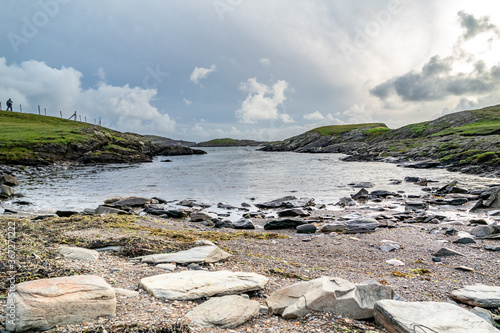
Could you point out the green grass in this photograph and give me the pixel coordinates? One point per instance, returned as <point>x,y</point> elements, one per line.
<point>340,129</point>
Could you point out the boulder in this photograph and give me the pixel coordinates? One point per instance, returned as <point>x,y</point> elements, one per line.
<point>200,254</point>
<point>6,191</point>
<point>478,295</point>
<point>131,202</point>
<point>66,213</point>
<point>224,312</point>
<point>306,229</point>
<point>283,224</point>
<point>483,231</point>
<point>9,181</point>
<point>346,201</point>
<point>78,253</point>
<point>464,238</point>
<point>278,203</point>
<point>199,217</point>
<point>361,225</point>
<point>109,210</point>
<point>43,304</point>
<point>190,285</point>
<point>411,317</point>
<point>329,294</point>
<point>361,195</point>
<point>333,227</point>
<point>381,193</point>
<point>293,213</point>
<point>243,224</point>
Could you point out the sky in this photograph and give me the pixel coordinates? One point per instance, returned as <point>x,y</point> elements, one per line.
<point>249,69</point>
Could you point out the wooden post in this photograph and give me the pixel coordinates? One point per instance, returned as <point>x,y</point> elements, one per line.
<point>0,105</point>
<point>60,113</point>
<point>45,110</point>
<point>80,118</point>
<point>39,110</point>
<point>20,108</point>
<point>85,118</point>
<point>99,121</point>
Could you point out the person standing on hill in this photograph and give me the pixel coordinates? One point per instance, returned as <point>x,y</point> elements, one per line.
<point>9,104</point>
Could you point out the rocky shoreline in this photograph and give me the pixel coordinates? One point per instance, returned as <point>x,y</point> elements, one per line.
<point>427,252</point>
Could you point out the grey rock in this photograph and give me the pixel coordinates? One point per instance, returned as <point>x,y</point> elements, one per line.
<point>6,191</point>
<point>446,252</point>
<point>333,227</point>
<point>167,267</point>
<point>283,224</point>
<point>9,180</point>
<point>77,253</point>
<point>483,313</point>
<point>131,202</point>
<point>111,249</point>
<point>464,238</point>
<point>243,225</point>
<point>306,229</point>
<point>343,202</point>
<point>478,295</point>
<point>483,231</point>
<point>328,294</point>
<point>190,285</point>
<point>199,217</point>
<point>43,304</point>
<point>109,210</point>
<point>201,254</point>
<point>361,225</point>
<point>362,185</point>
<point>66,213</point>
<point>478,222</point>
<point>293,213</point>
<point>492,248</point>
<point>416,205</point>
<point>381,193</point>
<point>224,312</point>
<point>278,203</point>
<point>388,246</point>
<point>360,195</point>
<point>411,317</point>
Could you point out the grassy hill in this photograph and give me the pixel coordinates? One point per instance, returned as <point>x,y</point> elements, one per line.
<point>33,139</point>
<point>227,142</point>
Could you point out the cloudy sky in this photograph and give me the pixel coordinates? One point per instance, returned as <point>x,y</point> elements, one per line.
<point>256,69</point>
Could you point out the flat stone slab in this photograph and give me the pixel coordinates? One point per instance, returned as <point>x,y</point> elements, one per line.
<point>190,285</point>
<point>45,303</point>
<point>200,254</point>
<point>78,253</point>
<point>224,312</point>
<point>446,252</point>
<point>478,295</point>
<point>411,317</point>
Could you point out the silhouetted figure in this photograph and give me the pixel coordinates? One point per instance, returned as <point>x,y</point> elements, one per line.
<point>9,104</point>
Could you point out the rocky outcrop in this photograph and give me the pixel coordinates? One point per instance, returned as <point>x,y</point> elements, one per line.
<point>176,150</point>
<point>478,295</point>
<point>43,304</point>
<point>201,254</point>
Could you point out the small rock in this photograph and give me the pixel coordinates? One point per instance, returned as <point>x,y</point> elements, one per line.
<point>445,252</point>
<point>306,229</point>
<point>77,253</point>
<point>126,292</point>
<point>483,231</point>
<point>167,267</point>
<point>243,225</point>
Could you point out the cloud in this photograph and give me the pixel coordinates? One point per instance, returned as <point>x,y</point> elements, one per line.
<point>314,116</point>
<point>474,26</point>
<point>436,82</point>
<point>201,73</point>
<point>265,62</point>
<point>262,102</point>
<point>187,101</point>
<point>101,74</point>
<point>123,108</point>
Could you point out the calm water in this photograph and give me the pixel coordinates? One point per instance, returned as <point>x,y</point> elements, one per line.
<point>233,175</point>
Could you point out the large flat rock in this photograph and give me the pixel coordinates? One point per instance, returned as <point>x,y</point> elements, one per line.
<point>224,312</point>
<point>330,294</point>
<point>200,254</point>
<point>478,295</point>
<point>189,285</point>
<point>78,253</point>
<point>403,317</point>
<point>43,304</point>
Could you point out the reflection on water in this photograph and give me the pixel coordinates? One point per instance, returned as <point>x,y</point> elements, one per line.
<point>233,175</point>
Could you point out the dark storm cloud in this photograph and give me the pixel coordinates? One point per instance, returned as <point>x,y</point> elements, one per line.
<point>436,81</point>
<point>474,26</point>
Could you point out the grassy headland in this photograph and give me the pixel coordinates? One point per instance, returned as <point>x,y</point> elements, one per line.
<point>32,139</point>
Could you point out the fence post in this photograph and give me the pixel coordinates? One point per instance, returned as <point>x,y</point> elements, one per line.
<point>85,118</point>
<point>99,121</point>
<point>39,110</point>
<point>60,113</point>
<point>0,105</point>
<point>45,110</point>
<point>20,108</point>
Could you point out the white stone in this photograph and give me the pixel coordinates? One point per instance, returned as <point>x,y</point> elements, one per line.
<point>189,285</point>
<point>224,312</point>
<point>403,317</point>
<point>328,294</point>
<point>201,254</point>
<point>126,292</point>
<point>167,267</point>
<point>78,253</point>
<point>43,304</point>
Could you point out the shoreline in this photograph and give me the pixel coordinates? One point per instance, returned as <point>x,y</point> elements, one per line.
<point>284,256</point>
